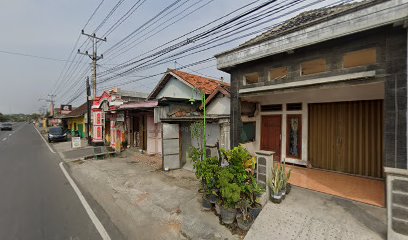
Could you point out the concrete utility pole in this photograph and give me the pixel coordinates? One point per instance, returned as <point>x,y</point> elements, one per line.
<point>51,100</point>
<point>88,110</point>
<point>94,56</point>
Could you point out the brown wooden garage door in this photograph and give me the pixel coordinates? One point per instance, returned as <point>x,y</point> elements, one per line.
<point>347,137</point>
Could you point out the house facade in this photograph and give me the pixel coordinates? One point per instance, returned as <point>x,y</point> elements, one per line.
<point>142,132</point>
<point>328,90</point>
<point>180,97</point>
<point>76,120</point>
<point>108,122</point>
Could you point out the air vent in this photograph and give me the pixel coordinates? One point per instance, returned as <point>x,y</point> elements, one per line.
<point>271,108</point>
<point>294,106</point>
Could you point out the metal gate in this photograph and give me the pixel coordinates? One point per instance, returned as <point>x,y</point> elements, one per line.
<point>171,146</point>
<point>347,137</point>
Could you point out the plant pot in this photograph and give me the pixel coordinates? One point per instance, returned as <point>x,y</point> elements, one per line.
<point>206,204</point>
<point>217,209</point>
<point>283,194</point>
<point>255,210</point>
<point>275,198</point>
<point>227,215</point>
<point>288,188</point>
<point>244,225</point>
<point>212,198</point>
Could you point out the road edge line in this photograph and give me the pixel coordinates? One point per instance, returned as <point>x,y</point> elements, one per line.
<point>42,137</point>
<point>101,229</point>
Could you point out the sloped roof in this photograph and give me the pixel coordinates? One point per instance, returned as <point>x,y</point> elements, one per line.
<point>77,112</point>
<point>306,19</point>
<point>207,85</point>
<point>225,90</point>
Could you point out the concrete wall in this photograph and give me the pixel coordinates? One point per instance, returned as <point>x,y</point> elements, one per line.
<point>396,134</point>
<point>219,106</point>
<point>177,89</point>
<point>154,140</point>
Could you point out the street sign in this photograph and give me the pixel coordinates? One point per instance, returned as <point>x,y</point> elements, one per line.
<point>76,142</point>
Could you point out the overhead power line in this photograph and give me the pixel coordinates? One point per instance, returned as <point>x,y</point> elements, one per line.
<point>64,70</point>
<point>33,56</point>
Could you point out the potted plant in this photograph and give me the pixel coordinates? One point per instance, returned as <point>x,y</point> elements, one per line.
<point>206,204</point>
<point>286,176</point>
<point>275,184</point>
<point>230,193</point>
<point>244,219</point>
<point>255,209</point>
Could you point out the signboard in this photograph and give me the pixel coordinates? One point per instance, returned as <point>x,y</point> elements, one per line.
<point>65,109</point>
<point>76,142</point>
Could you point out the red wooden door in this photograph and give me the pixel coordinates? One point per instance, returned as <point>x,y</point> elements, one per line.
<point>271,127</point>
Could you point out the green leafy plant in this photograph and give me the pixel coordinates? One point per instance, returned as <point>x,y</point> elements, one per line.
<point>285,175</point>
<point>229,189</point>
<point>243,206</point>
<point>197,132</point>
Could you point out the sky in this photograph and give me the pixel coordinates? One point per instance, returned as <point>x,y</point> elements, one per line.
<point>49,29</point>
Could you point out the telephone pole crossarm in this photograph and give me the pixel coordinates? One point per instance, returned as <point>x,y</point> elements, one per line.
<point>94,56</point>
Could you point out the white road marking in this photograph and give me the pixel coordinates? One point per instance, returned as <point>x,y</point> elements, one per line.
<point>48,145</point>
<point>88,209</point>
<point>4,139</point>
<point>10,134</point>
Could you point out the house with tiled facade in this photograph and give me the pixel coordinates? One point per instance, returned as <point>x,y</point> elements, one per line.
<point>327,90</point>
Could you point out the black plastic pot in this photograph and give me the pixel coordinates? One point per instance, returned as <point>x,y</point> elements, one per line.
<point>212,198</point>
<point>275,198</point>
<point>206,204</point>
<point>228,215</point>
<point>244,225</point>
<point>217,208</point>
<point>288,188</point>
<point>282,193</point>
<point>255,210</point>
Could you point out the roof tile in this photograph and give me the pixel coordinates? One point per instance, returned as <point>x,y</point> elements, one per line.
<point>206,85</point>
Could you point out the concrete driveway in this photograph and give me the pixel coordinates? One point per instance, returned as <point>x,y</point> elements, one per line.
<point>147,203</point>
<point>306,214</point>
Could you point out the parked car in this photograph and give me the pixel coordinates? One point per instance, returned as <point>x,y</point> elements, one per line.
<point>6,126</point>
<point>56,134</point>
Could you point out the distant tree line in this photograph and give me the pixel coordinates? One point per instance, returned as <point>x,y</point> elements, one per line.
<point>19,117</point>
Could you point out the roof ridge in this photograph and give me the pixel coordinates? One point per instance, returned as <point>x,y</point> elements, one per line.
<point>306,18</point>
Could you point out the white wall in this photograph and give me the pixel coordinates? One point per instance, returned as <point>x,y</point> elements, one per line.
<point>370,91</point>
<point>154,140</point>
<point>177,89</point>
<point>220,105</point>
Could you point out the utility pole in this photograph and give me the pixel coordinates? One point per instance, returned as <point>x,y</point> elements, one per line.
<point>52,96</point>
<point>51,100</point>
<point>88,106</point>
<point>94,56</point>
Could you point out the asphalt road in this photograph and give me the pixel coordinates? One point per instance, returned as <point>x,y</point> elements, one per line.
<point>36,200</point>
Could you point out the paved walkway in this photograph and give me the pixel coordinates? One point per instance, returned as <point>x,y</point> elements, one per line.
<point>306,214</point>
